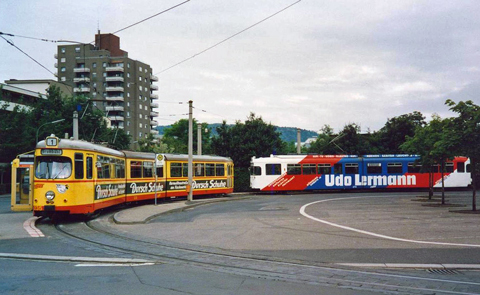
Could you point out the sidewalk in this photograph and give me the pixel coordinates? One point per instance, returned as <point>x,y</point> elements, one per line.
<point>145,213</point>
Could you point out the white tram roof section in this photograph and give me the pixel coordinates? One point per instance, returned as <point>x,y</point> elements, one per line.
<point>296,158</point>
<point>81,145</point>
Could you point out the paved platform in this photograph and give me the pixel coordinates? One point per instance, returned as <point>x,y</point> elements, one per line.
<point>145,213</point>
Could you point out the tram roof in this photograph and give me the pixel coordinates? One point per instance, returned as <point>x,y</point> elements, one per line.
<point>82,145</point>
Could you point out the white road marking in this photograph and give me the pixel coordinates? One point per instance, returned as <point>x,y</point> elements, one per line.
<point>112,264</point>
<point>302,211</point>
<point>32,230</point>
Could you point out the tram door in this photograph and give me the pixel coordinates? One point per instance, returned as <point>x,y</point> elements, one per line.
<point>22,183</point>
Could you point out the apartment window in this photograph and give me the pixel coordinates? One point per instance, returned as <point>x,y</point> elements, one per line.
<point>62,49</point>
<point>128,75</point>
<point>128,116</point>
<point>94,65</point>
<point>128,103</point>
<point>104,64</point>
<point>104,75</point>
<point>141,125</point>
<point>140,134</point>
<point>140,106</point>
<point>63,59</point>
<point>140,69</point>
<point>140,88</point>
<point>63,69</point>
<point>140,79</point>
<point>140,97</point>
<point>77,49</point>
<point>94,75</point>
<point>128,65</point>
<point>128,94</point>
<point>140,116</point>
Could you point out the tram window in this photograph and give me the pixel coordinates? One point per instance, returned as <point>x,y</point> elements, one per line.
<point>185,169</point>
<point>351,168</point>
<point>89,167</point>
<point>374,168</point>
<point>78,166</point>
<point>394,168</point>
<point>199,169</point>
<point>53,167</point>
<point>337,169</point>
<point>469,168</point>
<point>309,169</point>
<point>210,169</point>
<point>435,168</point>
<point>461,167</point>
<point>273,169</point>
<point>294,169</point>
<point>449,167</point>
<point>413,168</point>
<point>147,169</point>
<point>136,169</point>
<point>176,169</point>
<point>219,169</point>
<point>120,169</point>
<point>159,171</point>
<point>255,170</point>
<point>325,168</point>
<point>105,170</point>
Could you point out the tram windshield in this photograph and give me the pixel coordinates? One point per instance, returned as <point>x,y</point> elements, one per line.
<point>49,167</point>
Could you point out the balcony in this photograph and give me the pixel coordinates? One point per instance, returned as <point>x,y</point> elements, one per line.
<point>114,69</point>
<point>153,123</point>
<point>114,108</point>
<point>154,105</point>
<point>80,80</point>
<point>153,114</point>
<point>114,98</point>
<point>116,118</point>
<point>153,78</point>
<point>154,132</point>
<point>55,56</point>
<point>81,70</point>
<point>153,87</point>
<point>81,89</point>
<point>114,89</point>
<point>154,96</point>
<point>55,65</point>
<point>114,79</point>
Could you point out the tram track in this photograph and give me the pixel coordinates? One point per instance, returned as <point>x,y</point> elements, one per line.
<point>101,234</point>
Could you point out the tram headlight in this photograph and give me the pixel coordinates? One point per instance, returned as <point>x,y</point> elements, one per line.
<point>50,195</point>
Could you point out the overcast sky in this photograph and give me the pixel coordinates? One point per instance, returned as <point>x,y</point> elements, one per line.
<point>316,63</point>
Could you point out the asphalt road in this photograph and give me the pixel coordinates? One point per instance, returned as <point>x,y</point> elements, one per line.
<point>353,228</point>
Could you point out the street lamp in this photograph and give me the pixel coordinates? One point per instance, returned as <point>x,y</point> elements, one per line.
<point>53,122</point>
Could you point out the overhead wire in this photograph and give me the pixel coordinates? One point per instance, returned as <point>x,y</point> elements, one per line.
<point>11,43</point>
<point>228,38</point>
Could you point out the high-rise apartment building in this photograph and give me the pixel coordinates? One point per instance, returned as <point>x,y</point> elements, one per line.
<point>120,86</point>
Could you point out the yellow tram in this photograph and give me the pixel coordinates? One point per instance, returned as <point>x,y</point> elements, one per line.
<point>78,177</point>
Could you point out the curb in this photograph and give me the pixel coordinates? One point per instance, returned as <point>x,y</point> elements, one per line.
<point>76,259</point>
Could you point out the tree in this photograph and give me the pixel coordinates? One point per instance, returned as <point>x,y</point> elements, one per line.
<point>152,145</point>
<point>323,144</point>
<point>18,129</point>
<point>467,128</point>
<point>176,137</point>
<point>389,138</point>
<point>242,141</point>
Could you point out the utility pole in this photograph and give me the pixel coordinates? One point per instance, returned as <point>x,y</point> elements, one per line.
<point>299,142</point>
<point>190,151</point>
<point>75,125</point>
<point>199,139</point>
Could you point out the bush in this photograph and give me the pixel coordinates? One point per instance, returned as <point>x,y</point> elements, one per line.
<point>242,180</point>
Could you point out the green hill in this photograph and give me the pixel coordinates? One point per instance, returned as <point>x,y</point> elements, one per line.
<point>287,134</point>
